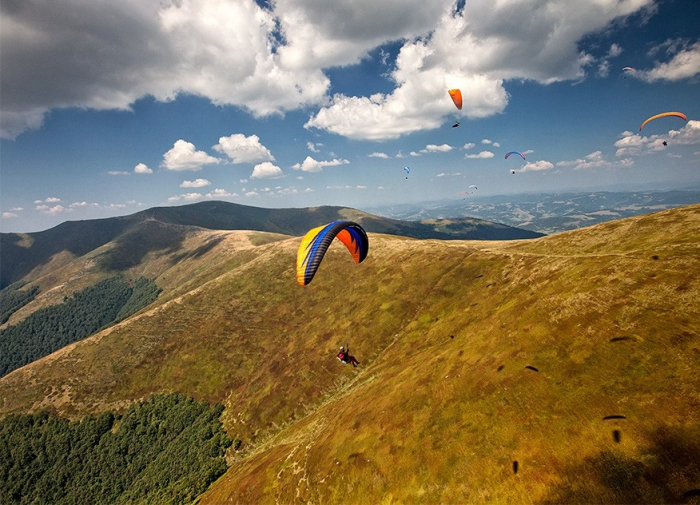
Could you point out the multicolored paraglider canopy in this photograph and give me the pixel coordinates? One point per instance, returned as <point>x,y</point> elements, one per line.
<point>664,114</point>
<point>317,241</point>
<point>515,152</point>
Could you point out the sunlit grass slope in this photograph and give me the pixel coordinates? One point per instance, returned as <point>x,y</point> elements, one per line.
<point>474,356</point>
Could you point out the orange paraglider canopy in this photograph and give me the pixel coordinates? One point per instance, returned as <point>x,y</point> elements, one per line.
<point>456,97</point>
<point>664,114</point>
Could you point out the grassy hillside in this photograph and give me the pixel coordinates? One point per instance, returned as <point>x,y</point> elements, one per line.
<point>443,404</point>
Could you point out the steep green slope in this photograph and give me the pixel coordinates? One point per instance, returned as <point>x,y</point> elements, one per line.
<point>49,329</point>
<point>442,404</point>
<point>14,297</point>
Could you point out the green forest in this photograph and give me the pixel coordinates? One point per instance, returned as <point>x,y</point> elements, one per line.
<point>167,449</point>
<point>13,298</point>
<point>79,316</point>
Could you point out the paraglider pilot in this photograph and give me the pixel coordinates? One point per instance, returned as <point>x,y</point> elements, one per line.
<point>345,357</point>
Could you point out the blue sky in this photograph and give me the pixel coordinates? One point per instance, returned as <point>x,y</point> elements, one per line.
<point>108,108</point>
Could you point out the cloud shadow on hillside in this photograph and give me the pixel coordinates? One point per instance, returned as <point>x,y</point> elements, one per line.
<point>667,471</point>
<point>200,251</point>
<point>130,249</point>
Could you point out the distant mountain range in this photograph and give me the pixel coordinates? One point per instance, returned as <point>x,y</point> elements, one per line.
<point>546,212</point>
<point>164,228</point>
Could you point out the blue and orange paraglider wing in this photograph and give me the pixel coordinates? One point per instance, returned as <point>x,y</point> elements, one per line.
<point>317,241</point>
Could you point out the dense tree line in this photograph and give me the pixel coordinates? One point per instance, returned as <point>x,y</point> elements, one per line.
<point>168,449</point>
<point>143,292</point>
<point>13,298</point>
<point>51,328</point>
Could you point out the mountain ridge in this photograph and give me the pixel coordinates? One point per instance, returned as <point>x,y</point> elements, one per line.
<point>21,253</point>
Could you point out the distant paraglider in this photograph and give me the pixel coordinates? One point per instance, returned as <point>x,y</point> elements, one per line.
<point>467,192</point>
<point>456,96</point>
<point>317,241</point>
<point>407,170</point>
<point>515,152</point>
<point>508,155</point>
<point>664,114</point>
<point>628,70</point>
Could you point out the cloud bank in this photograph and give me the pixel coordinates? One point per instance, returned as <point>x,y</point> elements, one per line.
<point>105,55</point>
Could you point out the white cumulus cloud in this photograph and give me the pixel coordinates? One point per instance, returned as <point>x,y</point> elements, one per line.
<point>537,166</point>
<point>266,170</point>
<point>183,156</point>
<point>220,193</point>
<point>142,168</point>
<point>271,59</point>
<point>481,155</point>
<point>242,149</point>
<point>191,197</point>
<point>636,144</point>
<point>595,160</point>
<point>477,48</point>
<point>684,65</point>
<point>433,148</point>
<point>112,53</point>
<point>51,210</point>
<point>197,183</point>
<point>314,148</point>
<point>312,165</point>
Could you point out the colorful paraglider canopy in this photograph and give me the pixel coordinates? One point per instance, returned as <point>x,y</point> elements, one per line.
<point>628,69</point>
<point>317,241</point>
<point>456,97</point>
<point>515,152</point>
<point>664,114</point>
